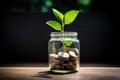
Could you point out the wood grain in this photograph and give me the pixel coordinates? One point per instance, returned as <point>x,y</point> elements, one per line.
<point>42,73</point>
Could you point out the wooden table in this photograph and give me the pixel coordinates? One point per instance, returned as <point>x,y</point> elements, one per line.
<point>42,73</point>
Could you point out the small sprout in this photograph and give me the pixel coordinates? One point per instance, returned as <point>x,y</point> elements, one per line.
<point>64,19</point>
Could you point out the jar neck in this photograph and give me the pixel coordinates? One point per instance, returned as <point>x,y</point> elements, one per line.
<point>65,35</point>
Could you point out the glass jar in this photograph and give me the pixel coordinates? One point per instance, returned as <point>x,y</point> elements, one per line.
<point>64,52</point>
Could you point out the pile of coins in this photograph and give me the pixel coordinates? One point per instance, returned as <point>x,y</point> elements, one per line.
<point>64,60</point>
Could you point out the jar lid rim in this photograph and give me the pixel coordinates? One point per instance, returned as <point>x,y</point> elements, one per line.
<point>65,34</point>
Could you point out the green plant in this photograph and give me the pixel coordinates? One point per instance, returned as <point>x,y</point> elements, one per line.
<point>64,19</point>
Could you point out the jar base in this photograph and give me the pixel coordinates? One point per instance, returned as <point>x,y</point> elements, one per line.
<point>63,71</point>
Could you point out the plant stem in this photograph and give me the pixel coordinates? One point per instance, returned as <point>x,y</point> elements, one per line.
<point>64,47</point>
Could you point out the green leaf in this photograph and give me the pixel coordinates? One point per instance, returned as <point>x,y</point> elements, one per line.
<point>54,24</point>
<point>58,14</point>
<point>68,42</point>
<point>70,16</point>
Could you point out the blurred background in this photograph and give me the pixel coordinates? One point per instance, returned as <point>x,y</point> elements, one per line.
<point>24,35</point>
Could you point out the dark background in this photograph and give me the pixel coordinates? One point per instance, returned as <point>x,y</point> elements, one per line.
<point>24,35</point>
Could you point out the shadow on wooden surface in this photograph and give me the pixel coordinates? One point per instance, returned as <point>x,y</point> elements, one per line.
<point>42,73</point>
